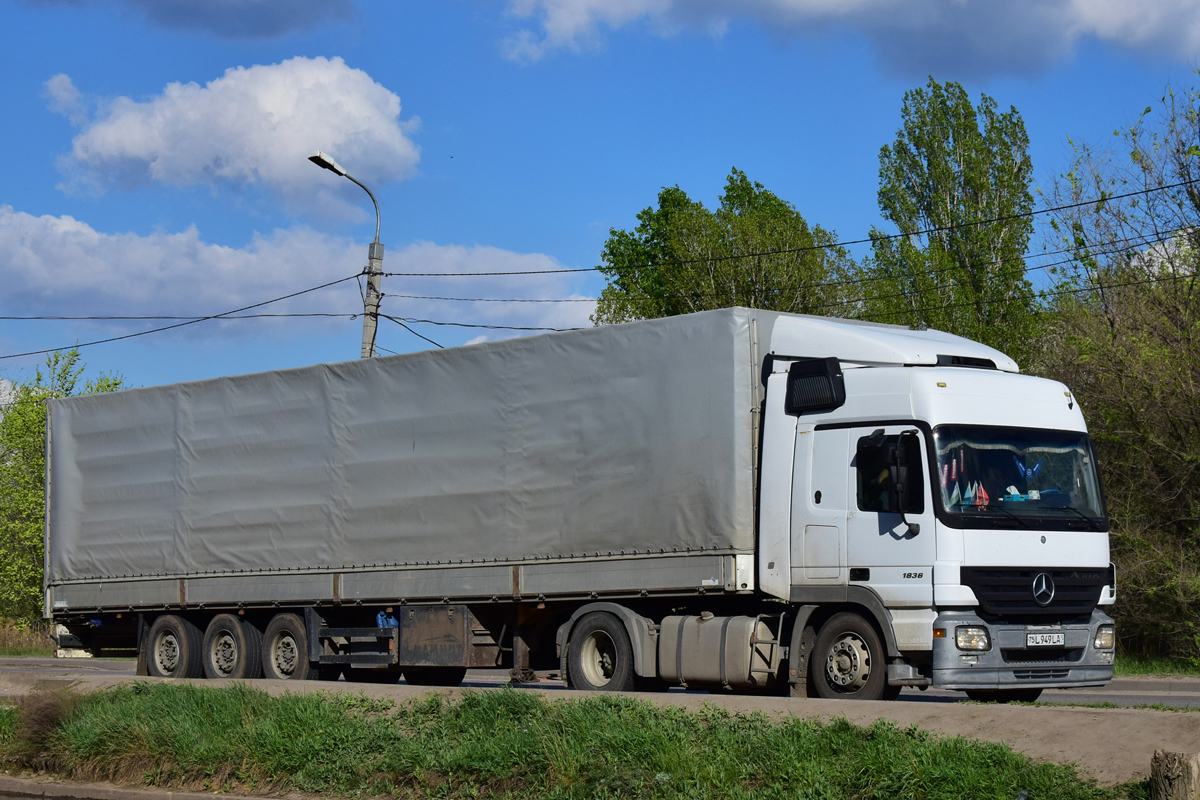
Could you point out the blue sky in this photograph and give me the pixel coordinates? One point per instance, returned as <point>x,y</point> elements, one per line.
<point>155,150</point>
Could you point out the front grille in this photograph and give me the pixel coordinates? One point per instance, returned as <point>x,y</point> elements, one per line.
<point>1040,674</point>
<point>1046,656</point>
<point>1005,594</point>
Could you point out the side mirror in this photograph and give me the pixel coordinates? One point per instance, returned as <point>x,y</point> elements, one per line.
<point>815,384</point>
<point>901,491</point>
<point>894,452</point>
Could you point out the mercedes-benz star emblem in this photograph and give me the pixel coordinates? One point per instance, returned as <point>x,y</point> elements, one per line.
<point>1043,589</point>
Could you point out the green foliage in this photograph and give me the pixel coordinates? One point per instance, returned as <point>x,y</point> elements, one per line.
<point>1127,340</point>
<point>517,744</point>
<point>961,173</point>
<point>754,250</point>
<point>23,479</point>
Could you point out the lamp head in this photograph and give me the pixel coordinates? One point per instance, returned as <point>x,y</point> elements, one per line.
<point>325,162</point>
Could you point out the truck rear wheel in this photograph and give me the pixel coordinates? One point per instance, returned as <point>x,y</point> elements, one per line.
<point>600,658</point>
<point>173,648</point>
<point>434,676</point>
<point>285,650</point>
<point>1004,695</point>
<point>232,648</point>
<point>848,660</point>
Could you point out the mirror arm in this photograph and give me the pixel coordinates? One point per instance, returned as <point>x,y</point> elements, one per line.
<point>914,528</point>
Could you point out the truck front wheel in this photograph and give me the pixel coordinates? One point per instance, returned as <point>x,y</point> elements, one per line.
<point>600,658</point>
<point>848,660</point>
<point>174,648</point>
<point>285,650</point>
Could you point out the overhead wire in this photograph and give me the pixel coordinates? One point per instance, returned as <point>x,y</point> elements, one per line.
<point>410,330</point>
<point>180,324</point>
<point>233,314</point>
<point>1104,198</point>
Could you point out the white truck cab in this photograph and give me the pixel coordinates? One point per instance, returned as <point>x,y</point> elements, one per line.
<point>920,472</point>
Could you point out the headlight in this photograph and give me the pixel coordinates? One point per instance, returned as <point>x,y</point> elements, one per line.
<point>972,637</point>
<point>1106,637</point>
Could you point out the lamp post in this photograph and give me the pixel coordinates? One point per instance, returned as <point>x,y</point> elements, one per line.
<point>374,259</point>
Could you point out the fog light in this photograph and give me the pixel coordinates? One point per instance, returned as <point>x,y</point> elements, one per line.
<point>1106,637</point>
<point>1106,657</point>
<point>972,637</point>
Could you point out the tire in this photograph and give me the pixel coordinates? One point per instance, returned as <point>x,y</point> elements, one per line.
<point>848,661</point>
<point>285,650</point>
<point>173,648</point>
<point>599,656</point>
<point>434,676</point>
<point>232,649</point>
<point>1004,695</point>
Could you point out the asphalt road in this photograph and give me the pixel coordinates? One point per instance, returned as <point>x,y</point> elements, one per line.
<point>16,674</point>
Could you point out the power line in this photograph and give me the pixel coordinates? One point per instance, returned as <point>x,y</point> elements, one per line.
<point>410,330</point>
<point>484,274</point>
<point>181,324</point>
<point>1104,198</point>
<point>54,318</point>
<point>1056,293</point>
<point>491,299</point>
<point>402,320</point>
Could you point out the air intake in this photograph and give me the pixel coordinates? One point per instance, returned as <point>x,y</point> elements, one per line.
<point>965,361</point>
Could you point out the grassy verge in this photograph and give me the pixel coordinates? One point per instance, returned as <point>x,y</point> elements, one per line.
<point>34,641</point>
<point>1154,665</point>
<point>506,744</point>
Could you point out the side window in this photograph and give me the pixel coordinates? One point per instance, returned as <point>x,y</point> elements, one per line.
<point>889,474</point>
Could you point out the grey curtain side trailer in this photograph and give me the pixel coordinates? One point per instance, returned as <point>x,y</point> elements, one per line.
<point>712,500</point>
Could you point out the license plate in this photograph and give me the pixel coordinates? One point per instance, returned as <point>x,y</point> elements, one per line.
<point>1045,639</point>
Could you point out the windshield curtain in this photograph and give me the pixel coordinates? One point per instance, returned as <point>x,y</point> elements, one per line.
<point>1017,471</point>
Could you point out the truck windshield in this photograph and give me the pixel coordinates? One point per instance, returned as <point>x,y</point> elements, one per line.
<point>1016,473</point>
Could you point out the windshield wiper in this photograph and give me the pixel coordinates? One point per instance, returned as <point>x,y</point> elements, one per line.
<point>1001,509</point>
<point>1094,524</point>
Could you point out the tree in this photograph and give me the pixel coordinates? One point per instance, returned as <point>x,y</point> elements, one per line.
<point>23,480</point>
<point>955,184</point>
<point>1126,338</point>
<point>754,250</point>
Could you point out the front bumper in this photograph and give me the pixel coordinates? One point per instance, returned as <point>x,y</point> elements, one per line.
<point>1010,664</point>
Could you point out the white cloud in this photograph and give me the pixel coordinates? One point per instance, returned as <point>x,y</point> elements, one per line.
<point>254,125</point>
<point>63,98</point>
<point>910,36</point>
<point>61,266</point>
<point>240,19</point>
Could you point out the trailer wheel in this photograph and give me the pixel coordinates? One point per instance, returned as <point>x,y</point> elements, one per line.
<point>434,676</point>
<point>173,648</point>
<point>848,660</point>
<point>285,650</point>
<point>232,648</point>
<point>1004,695</point>
<point>599,656</point>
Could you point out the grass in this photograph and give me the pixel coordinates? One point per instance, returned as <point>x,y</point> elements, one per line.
<point>32,641</point>
<point>1154,665</point>
<point>502,744</point>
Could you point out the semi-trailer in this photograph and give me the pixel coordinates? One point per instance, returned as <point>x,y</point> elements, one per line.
<point>736,499</point>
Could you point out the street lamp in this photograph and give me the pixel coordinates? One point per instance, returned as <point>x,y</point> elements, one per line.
<point>374,259</point>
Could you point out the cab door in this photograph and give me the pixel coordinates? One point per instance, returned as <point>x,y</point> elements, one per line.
<point>819,508</point>
<point>891,553</point>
